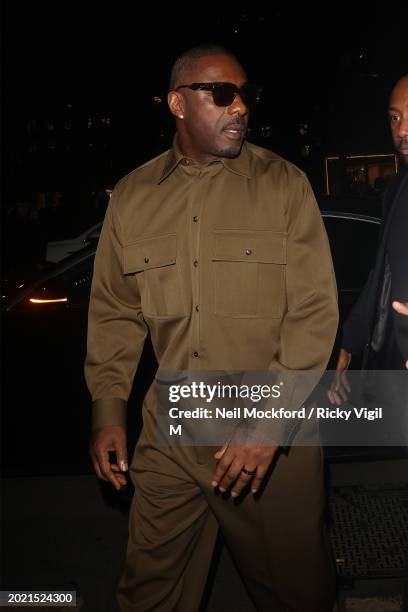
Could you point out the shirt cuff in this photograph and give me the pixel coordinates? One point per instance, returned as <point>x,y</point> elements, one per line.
<point>108,412</point>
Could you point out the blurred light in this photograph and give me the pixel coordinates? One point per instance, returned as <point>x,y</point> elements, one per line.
<point>368,156</point>
<point>158,99</point>
<point>39,301</point>
<point>305,150</point>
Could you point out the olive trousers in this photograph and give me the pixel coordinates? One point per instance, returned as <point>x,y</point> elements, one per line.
<point>277,538</point>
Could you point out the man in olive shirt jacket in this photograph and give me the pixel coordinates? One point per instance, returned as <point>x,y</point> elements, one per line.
<point>217,248</point>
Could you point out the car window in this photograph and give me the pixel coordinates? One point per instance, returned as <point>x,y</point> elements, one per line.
<point>354,245</point>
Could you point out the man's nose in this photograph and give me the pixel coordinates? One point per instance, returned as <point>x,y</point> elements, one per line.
<point>238,106</point>
<point>403,126</point>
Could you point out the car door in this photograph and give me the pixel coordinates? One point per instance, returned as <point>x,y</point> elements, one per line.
<point>44,394</point>
<point>46,414</point>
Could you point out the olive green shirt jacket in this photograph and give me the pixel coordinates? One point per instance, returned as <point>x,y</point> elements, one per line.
<point>227,264</point>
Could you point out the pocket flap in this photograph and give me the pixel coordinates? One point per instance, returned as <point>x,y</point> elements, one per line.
<point>257,246</point>
<point>150,253</point>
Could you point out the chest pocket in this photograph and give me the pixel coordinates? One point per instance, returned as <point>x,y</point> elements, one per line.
<point>249,273</point>
<point>155,261</point>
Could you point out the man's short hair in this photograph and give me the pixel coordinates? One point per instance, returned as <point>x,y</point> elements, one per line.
<point>187,61</point>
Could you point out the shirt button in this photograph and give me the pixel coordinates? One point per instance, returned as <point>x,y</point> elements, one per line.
<point>146,260</point>
<point>197,308</point>
<point>195,354</point>
<point>195,263</point>
<point>185,162</point>
<point>248,252</point>
<point>195,218</point>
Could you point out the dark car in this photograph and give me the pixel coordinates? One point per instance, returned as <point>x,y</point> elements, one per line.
<point>46,414</point>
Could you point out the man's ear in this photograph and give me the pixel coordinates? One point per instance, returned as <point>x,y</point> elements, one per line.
<point>176,104</point>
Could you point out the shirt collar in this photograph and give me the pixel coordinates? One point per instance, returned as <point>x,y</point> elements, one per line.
<point>238,165</point>
<point>172,160</point>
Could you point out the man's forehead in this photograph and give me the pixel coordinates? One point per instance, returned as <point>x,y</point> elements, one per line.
<point>399,94</point>
<point>217,68</point>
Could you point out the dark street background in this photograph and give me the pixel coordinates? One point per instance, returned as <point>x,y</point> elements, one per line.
<point>84,89</point>
<point>80,81</point>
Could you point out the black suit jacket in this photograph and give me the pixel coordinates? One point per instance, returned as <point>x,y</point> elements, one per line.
<point>359,326</point>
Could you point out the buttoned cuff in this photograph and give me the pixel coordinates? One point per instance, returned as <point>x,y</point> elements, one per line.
<point>108,412</point>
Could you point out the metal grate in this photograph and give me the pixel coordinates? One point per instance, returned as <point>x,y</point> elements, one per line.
<point>369,530</point>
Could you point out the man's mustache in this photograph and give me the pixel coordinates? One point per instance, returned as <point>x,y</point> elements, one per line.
<point>236,123</point>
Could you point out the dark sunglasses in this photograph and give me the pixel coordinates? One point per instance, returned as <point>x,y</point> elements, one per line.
<point>224,93</point>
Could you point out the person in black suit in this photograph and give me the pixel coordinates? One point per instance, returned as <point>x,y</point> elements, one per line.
<point>374,329</point>
<point>377,327</point>
<point>402,308</point>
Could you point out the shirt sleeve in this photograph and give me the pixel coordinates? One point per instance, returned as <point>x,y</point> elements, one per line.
<point>309,324</point>
<point>116,328</point>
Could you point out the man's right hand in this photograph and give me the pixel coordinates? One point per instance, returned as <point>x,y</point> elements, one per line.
<point>337,393</point>
<point>104,441</point>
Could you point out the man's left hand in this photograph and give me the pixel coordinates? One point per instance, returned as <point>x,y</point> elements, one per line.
<point>402,308</point>
<point>234,460</point>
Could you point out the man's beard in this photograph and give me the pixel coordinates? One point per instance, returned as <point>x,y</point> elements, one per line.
<point>230,152</point>
<point>403,156</point>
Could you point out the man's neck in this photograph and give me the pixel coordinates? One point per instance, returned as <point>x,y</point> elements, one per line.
<point>188,151</point>
<point>200,160</point>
